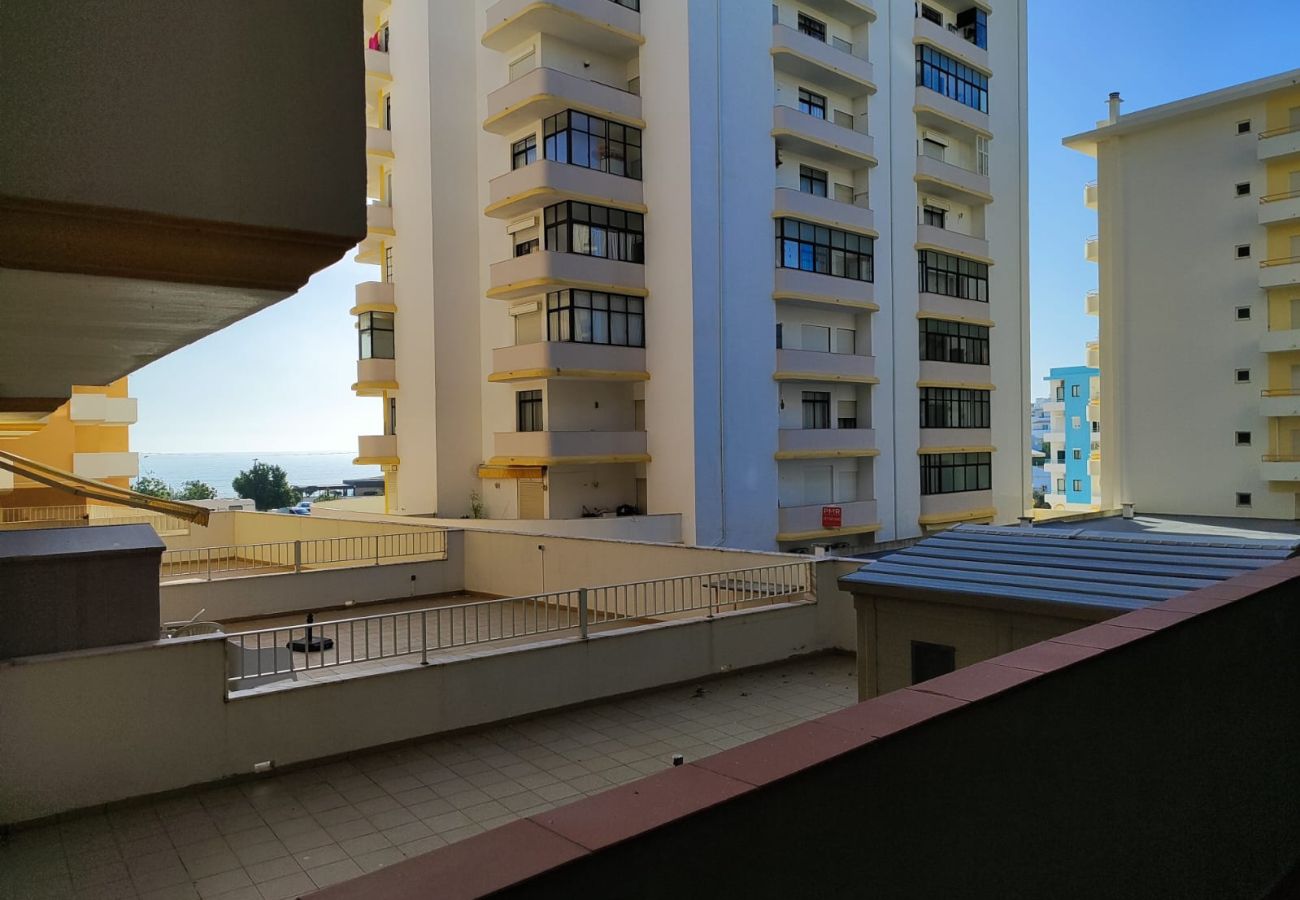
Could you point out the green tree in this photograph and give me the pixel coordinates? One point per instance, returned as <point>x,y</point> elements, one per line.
<point>266,485</point>
<point>153,486</point>
<point>196,490</point>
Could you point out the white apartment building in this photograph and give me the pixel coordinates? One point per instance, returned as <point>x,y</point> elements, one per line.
<point>1198,252</point>
<point>678,256</point>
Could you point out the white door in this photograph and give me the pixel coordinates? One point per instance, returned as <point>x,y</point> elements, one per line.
<point>818,485</point>
<point>846,340</point>
<point>846,486</point>
<point>1295,181</point>
<point>1295,246</point>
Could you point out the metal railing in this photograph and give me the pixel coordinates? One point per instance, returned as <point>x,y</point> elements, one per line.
<point>1281,195</point>
<point>272,652</point>
<point>1279,261</point>
<point>22,515</point>
<point>84,515</point>
<point>1277,132</point>
<point>1280,392</point>
<point>295,556</point>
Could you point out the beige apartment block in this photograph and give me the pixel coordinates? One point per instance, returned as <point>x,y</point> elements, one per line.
<point>649,257</point>
<point>1198,253</point>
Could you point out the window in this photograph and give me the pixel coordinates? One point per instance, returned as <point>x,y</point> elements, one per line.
<point>974,26</point>
<point>375,335</point>
<point>592,317</point>
<point>1243,188</point>
<point>1243,312</point>
<point>1243,438</point>
<point>1074,390</point>
<point>1243,127</point>
<point>523,152</point>
<point>1060,485</point>
<point>812,104</point>
<point>388,264</point>
<point>1243,251</point>
<point>813,28</point>
<point>1243,375</point>
<point>526,247</point>
<point>954,473</point>
<point>846,341</point>
<point>573,227</point>
<point>954,408</point>
<point>1060,392</point>
<point>529,409</point>
<point>1074,421</point>
<point>952,276</point>
<point>388,111</point>
<point>1076,484</point>
<point>943,341</point>
<point>1078,454</point>
<point>816,409</point>
<point>956,81</point>
<point>812,181</point>
<point>592,142</point>
<point>931,661</point>
<point>1060,456</point>
<point>829,251</point>
<point>933,149</point>
<point>931,14</point>
<point>780,336</point>
<point>1096,427</point>
<point>932,215</point>
<point>846,414</point>
<point>981,155</point>
<point>1243,499</point>
<point>391,424</point>
<point>816,338</point>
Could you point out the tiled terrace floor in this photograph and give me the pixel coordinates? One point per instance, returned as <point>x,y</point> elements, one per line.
<point>289,834</point>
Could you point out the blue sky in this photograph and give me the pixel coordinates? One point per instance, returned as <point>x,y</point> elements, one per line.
<point>280,380</point>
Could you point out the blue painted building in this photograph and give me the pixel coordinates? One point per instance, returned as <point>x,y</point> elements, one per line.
<point>1073,436</point>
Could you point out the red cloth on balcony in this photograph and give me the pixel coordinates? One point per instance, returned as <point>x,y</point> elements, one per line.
<point>374,41</point>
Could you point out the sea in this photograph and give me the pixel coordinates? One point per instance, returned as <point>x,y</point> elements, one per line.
<point>220,469</point>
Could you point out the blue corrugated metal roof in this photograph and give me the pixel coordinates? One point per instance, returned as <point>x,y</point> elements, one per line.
<point>1093,568</point>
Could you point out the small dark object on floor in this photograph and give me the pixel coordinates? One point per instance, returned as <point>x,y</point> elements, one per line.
<point>311,644</point>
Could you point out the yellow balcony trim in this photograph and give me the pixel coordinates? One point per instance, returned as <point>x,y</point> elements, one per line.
<point>966,516</point>
<point>927,245</point>
<point>550,192</point>
<point>1279,457</point>
<point>612,458</point>
<point>373,388</point>
<point>542,284</point>
<point>1284,195</point>
<point>969,385</point>
<point>865,305</point>
<point>847,151</point>
<point>847,453</point>
<point>589,108</point>
<point>828,532</point>
<point>592,374</point>
<point>953,186</point>
<point>382,76</point>
<point>946,317</point>
<point>372,307</point>
<point>1280,392</point>
<point>825,376</point>
<point>505,472</point>
<point>1278,261</point>
<point>375,229</point>
<point>587,20</point>
<point>932,451</point>
<point>821,64</point>
<point>1277,132</point>
<point>839,224</point>
<point>377,461</point>
<point>926,108</point>
<point>382,154</point>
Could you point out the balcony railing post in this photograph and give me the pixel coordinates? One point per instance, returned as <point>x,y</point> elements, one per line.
<point>582,613</point>
<point>209,555</point>
<point>297,556</point>
<point>424,637</point>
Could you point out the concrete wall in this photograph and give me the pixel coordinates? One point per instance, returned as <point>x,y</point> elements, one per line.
<point>663,529</point>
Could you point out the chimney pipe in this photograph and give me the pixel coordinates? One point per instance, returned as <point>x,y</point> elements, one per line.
<point>1114,103</point>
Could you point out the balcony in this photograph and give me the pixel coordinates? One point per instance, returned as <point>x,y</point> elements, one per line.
<point>814,365</point>
<point>379,219</point>
<point>958,440</point>
<point>1279,467</point>
<point>565,360</point>
<point>1283,207</point>
<point>374,376</point>
<point>943,179</point>
<point>1282,341</point>
<point>822,139</point>
<point>934,110</point>
<point>1092,354</point>
<point>1054,439</point>
<point>106,465</point>
<point>376,450</point>
<point>1280,402</point>
<point>100,409</point>
<point>957,309</point>
<point>1091,250</point>
<point>824,210</point>
<point>939,510</point>
<point>930,237</point>
<point>539,184</point>
<point>606,27</point>
<point>1280,272</point>
<point>374,296</point>
<point>818,62</point>
<point>1092,304</point>
<point>544,92</point>
<point>552,448</point>
<point>801,523</point>
<point>379,142</point>
<point>850,12</point>
<point>1090,195</point>
<point>951,43</point>
<point>1279,143</point>
<point>813,287</point>
<point>377,65</point>
<point>547,270</point>
<point>969,375</point>
<point>825,443</point>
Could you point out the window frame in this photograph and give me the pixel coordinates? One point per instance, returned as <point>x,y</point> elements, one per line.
<point>565,318</point>
<point>529,415</point>
<point>942,340</point>
<point>939,72</point>
<point>942,407</point>
<point>949,275</point>
<point>565,223</point>
<point>817,408</point>
<point>523,152</point>
<point>367,329</point>
<point>812,103</point>
<point>939,473</point>
<point>813,248</point>
<point>805,21</point>
<point>570,129</point>
<point>813,177</point>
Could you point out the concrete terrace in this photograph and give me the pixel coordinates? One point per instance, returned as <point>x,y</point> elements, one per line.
<point>287,834</point>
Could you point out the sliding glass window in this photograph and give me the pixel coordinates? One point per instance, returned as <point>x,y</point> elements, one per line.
<point>828,251</point>
<point>573,227</point>
<point>594,317</point>
<point>953,276</point>
<point>957,81</point>
<point>954,408</point>
<point>594,143</point>
<point>954,473</point>
<point>375,335</point>
<point>957,342</point>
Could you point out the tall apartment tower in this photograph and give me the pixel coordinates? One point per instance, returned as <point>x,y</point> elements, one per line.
<point>1198,247</point>
<point>762,265</point>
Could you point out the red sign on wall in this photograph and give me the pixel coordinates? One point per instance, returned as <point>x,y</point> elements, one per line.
<point>832,516</point>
